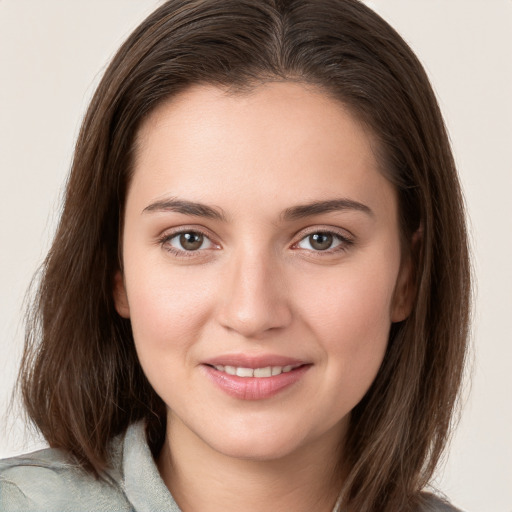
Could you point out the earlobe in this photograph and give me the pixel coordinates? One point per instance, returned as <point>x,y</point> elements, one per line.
<point>405,289</point>
<point>120,297</point>
<point>404,293</point>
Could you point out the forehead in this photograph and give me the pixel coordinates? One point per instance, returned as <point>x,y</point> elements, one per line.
<point>285,141</point>
<point>209,114</point>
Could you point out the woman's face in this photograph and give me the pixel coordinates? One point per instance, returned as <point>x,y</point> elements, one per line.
<point>262,266</point>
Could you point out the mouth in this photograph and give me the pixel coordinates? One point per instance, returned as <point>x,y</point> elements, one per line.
<point>264,372</point>
<point>255,379</point>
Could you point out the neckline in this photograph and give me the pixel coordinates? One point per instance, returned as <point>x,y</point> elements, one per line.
<point>141,481</point>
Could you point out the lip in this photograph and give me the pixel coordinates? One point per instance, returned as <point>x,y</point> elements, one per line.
<point>248,361</point>
<point>254,388</point>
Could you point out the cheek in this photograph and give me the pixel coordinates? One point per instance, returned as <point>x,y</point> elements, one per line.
<point>168,306</point>
<point>350,317</point>
<point>355,299</point>
<point>168,315</point>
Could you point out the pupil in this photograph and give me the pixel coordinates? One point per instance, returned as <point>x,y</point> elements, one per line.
<point>191,241</point>
<point>320,241</point>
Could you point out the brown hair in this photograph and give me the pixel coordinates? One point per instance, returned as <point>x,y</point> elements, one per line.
<point>80,378</point>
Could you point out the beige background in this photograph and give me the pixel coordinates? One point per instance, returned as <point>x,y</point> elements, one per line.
<point>52,53</point>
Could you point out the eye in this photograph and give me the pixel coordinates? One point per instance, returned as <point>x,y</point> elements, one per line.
<point>188,241</point>
<point>323,241</point>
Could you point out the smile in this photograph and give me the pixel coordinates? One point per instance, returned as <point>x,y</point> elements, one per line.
<point>267,371</point>
<point>256,383</point>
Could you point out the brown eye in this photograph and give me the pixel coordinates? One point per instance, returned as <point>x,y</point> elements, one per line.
<point>191,241</point>
<point>324,241</point>
<point>187,241</point>
<point>321,241</point>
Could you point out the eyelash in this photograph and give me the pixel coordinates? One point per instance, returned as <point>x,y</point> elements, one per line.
<point>344,242</point>
<point>165,240</point>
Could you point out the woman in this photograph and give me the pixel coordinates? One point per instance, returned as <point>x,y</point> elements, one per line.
<point>257,297</point>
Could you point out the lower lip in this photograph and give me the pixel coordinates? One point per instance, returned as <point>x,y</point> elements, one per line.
<point>255,388</point>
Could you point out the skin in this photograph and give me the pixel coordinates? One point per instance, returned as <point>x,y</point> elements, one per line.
<point>257,286</point>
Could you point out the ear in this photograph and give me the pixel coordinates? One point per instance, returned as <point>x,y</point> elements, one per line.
<point>120,297</point>
<point>405,289</point>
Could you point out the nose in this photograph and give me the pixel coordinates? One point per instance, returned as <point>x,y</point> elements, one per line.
<point>255,299</point>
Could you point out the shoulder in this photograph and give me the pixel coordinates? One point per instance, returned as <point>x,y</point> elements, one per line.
<point>49,480</point>
<point>432,503</point>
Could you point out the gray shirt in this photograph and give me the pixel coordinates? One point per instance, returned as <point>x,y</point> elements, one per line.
<point>48,481</point>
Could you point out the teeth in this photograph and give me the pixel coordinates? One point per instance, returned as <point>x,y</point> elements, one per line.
<point>263,372</point>
<point>268,371</point>
<point>231,370</point>
<point>245,372</point>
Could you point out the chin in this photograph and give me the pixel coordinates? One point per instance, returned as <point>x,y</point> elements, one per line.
<point>256,450</point>
<point>270,442</point>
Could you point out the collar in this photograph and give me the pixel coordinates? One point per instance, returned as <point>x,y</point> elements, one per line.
<point>142,483</point>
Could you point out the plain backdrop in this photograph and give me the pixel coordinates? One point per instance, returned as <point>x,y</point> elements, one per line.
<point>52,53</point>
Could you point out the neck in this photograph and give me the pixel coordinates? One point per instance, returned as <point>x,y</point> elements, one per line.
<point>204,480</point>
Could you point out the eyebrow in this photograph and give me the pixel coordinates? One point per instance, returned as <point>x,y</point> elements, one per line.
<point>186,207</point>
<point>319,207</point>
<point>293,213</point>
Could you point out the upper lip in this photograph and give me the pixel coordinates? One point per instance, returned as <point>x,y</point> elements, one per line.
<point>253,361</point>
